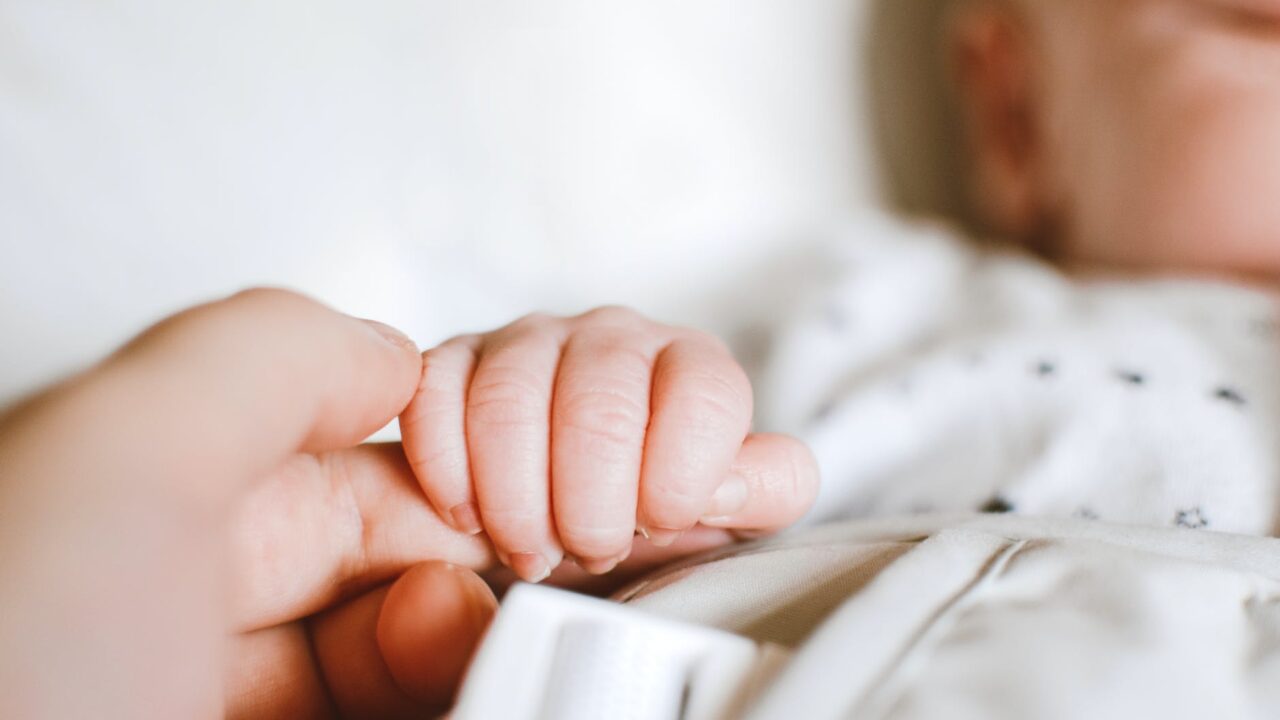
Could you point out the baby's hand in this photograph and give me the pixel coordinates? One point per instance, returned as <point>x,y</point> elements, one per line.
<point>560,435</point>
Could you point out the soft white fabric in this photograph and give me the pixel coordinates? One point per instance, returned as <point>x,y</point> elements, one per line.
<point>556,655</point>
<point>940,616</point>
<point>930,375</point>
<point>993,617</point>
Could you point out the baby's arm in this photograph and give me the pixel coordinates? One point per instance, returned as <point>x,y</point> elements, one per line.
<point>569,435</point>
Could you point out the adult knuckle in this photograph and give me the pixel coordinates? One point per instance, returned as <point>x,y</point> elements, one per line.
<point>270,295</point>
<point>270,304</point>
<point>240,322</point>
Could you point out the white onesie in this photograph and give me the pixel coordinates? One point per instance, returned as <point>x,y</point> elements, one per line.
<point>931,375</point>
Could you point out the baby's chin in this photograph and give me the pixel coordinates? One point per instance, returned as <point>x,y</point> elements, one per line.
<point>1254,264</point>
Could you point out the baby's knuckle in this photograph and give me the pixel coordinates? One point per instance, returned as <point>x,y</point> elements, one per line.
<point>443,356</point>
<point>534,321</point>
<point>736,380</point>
<point>612,315</point>
<point>712,402</point>
<point>440,371</point>
<point>506,396</point>
<point>434,464</point>
<point>611,419</point>
<point>713,343</point>
<point>673,505</point>
<point>627,363</point>
<point>428,407</point>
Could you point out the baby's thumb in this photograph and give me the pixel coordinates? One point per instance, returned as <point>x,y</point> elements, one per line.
<point>772,483</point>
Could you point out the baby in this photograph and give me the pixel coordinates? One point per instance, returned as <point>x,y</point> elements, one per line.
<point>1116,361</point>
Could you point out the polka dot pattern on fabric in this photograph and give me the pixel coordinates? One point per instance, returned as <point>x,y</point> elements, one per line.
<point>1131,377</point>
<point>968,374</point>
<point>1192,518</point>
<point>1230,395</point>
<point>998,505</point>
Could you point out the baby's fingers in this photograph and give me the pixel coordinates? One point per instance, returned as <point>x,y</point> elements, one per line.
<point>434,431</point>
<point>773,483</point>
<point>701,413</point>
<point>601,410</point>
<point>508,421</point>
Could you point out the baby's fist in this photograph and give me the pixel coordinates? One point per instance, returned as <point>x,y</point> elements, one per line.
<point>560,435</point>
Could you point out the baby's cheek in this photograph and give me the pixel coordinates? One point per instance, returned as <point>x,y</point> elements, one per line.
<point>1189,180</point>
<point>1214,203</point>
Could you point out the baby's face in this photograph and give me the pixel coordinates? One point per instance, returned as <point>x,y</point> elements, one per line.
<point>1161,122</point>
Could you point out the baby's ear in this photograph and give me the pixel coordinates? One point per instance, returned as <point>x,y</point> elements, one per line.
<point>994,73</point>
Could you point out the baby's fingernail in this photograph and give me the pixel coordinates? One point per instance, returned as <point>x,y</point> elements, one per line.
<point>531,567</point>
<point>391,335</point>
<point>662,537</point>
<point>602,566</point>
<point>466,518</point>
<point>729,498</point>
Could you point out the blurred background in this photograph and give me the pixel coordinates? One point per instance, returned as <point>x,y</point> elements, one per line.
<point>446,165</point>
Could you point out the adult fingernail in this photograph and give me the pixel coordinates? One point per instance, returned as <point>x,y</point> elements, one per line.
<point>466,518</point>
<point>475,588</point>
<point>391,335</point>
<point>531,567</point>
<point>662,537</point>
<point>729,498</point>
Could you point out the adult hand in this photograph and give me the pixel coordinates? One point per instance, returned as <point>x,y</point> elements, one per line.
<point>119,593</point>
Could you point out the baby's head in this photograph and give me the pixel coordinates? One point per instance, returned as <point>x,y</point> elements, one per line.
<point>1139,135</point>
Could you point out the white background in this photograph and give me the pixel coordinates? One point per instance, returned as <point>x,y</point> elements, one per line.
<point>442,165</point>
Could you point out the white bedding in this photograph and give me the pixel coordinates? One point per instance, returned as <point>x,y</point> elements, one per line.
<point>990,617</point>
